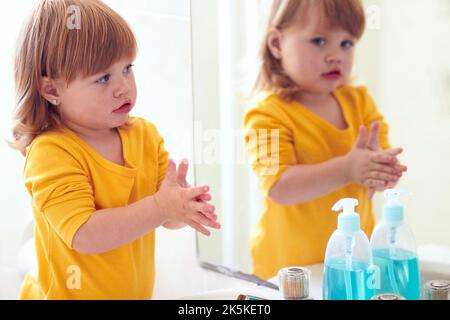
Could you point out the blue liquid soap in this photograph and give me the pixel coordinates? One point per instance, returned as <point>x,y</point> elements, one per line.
<point>342,283</point>
<point>399,272</point>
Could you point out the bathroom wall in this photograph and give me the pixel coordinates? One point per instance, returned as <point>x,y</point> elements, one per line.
<point>14,206</point>
<point>403,59</point>
<point>416,97</point>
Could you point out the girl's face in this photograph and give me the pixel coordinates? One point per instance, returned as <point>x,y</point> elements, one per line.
<point>317,60</point>
<point>101,101</point>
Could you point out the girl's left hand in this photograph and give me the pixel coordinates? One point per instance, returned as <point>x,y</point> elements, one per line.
<point>182,182</point>
<point>181,179</point>
<point>374,144</point>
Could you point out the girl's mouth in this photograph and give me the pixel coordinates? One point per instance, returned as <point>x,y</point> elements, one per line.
<point>125,108</point>
<point>333,75</point>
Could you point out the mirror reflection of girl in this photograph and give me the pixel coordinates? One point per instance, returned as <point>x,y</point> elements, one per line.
<point>100,181</point>
<point>333,142</point>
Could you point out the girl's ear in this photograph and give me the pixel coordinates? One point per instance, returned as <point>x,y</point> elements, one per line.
<point>274,42</point>
<point>49,90</point>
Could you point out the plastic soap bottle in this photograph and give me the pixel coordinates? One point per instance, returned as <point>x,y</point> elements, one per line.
<point>394,251</point>
<point>348,262</point>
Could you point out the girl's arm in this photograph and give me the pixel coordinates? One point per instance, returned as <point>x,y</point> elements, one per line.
<point>174,225</point>
<point>108,229</point>
<point>302,183</point>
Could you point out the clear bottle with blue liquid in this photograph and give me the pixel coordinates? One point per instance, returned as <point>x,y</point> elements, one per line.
<point>348,272</point>
<point>394,251</point>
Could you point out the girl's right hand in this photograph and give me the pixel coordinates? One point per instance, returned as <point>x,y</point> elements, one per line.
<point>178,203</point>
<point>374,169</point>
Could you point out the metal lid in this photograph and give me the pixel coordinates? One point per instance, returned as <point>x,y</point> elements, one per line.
<point>437,290</point>
<point>387,296</point>
<point>294,282</point>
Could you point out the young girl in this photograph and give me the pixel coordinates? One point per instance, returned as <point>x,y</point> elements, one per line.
<point>97,177</point>
<point>323,152</point>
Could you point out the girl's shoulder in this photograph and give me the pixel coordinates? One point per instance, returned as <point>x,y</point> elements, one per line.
<point>268,104</point>
<point>54,144</point>
<point>266,109</point>
<point>266,99</point>
<point>57,138</point>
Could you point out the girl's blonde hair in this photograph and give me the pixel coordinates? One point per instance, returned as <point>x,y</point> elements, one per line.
<point>346,14</point>
<point>62,39</point>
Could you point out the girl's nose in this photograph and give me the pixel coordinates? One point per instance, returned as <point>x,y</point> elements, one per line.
<point>123,88</point>
<point>334,57</point>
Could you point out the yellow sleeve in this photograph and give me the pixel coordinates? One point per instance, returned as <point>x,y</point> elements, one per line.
<point>371,114</point>
<point>59,188</point>
<point>163,157</point>
<point>269,145</point>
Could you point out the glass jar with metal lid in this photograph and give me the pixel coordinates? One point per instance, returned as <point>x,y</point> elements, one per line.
<point>294,283</point>
<point>437,290</point>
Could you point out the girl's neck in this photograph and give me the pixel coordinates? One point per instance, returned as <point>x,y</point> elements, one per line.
<point>313,99</point>
<point>89,134</point>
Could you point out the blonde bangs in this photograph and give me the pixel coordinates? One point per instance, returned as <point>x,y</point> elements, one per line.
<point>345,14</point>
<point>102,39</point>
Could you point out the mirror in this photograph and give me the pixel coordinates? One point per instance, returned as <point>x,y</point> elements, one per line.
<point>402,60</point>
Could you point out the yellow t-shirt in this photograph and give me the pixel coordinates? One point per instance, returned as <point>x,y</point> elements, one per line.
<point>298,234</point>
<point>68,181</point>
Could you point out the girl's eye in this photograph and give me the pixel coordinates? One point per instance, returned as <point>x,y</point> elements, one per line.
<point>346,44</point>
<point>318,41</point>
<point>104,79</point>
<point>128,68</point>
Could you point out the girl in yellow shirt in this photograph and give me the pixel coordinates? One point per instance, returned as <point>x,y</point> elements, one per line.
<point>306,133</point>
<point>100,181</point>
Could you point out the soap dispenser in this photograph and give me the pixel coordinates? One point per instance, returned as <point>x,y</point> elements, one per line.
<point>348,262</point>
<point>394,251</point>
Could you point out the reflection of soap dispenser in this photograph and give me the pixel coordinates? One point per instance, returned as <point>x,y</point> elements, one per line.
<point>347,269</point>
<point>394,251</point>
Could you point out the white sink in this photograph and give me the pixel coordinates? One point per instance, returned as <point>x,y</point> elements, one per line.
<point>261,291</point>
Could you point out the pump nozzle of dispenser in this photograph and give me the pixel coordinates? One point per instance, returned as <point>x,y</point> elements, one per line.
<point>393,195</point>
<point>393,211</point>
<point>348,220</point>
<point>348,204</point>
<point>392,216</point>
<point>349,224</point>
